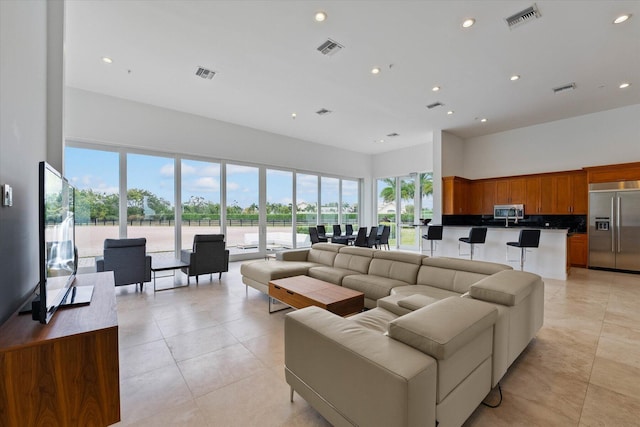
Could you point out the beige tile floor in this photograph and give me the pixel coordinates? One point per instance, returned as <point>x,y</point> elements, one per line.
<point>210,355</point>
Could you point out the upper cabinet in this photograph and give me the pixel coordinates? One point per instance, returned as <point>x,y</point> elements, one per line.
<point>563,193</point>
<point>454,195</point>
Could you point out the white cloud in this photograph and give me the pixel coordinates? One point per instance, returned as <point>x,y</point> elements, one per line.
<point>206,183</point>
<point>188,169</point>
<point>167,170</point>
<point>233,186</point>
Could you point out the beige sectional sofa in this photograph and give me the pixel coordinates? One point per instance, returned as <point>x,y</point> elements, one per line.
<point>438,335</point>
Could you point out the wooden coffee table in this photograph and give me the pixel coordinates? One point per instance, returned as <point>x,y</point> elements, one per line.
<point>303,291</point>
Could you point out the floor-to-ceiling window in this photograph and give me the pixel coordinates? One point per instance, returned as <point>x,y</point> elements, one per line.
<point>350,202</point>
<point>401,203</point>
<point>306,206</point>
<point>330,199</point>
<point>150,201</point>
<point>243,208</point>
<point>200,199</point>
<point>252,205</point>
<point>95,175</point>
<point>279,210</point>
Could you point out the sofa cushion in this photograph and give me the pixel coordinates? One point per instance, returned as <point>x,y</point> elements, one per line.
<point>397,265</point>
<point>330,274</point>
<point>354,258</point>
<point>414,302</point>
<point>506,288</point>
<point>455,275</point>
<point>373,287</point>
<point>429,291</point>
<point>376,319</point>
<point>443,327</point>
<point>323,253</point>
<point>265,271</point>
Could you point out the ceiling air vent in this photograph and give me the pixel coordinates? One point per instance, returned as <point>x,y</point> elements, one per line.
<point>205,73</point>
<point>570,86</point>
<point>330,47</point>
<point>323,112</point>
<point>391,135</point>
<point>434,105</point>
<point>523,16</point>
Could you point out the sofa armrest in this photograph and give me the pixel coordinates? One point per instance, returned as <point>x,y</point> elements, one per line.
<point>185,255</point>
<point>347,371</point>
<point>147,268</point>
<point>293,255</point>
<point>507,287</point>
<point>442,328</point>
<point>99,264</point>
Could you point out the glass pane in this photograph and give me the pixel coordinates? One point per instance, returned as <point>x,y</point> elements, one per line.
<point>426,195</point>
<point>95,175</point>
<point>242,208</point>
<point>386,190</point>
<point>407,229</point>
<point>350,203</point>
<point>329,198</point>
<point>307,207</point>
<point>150,202</point>
<point>279,210</point>
<point>200,200</point>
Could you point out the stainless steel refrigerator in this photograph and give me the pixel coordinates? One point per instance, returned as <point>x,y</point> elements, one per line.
<point>614,225</point>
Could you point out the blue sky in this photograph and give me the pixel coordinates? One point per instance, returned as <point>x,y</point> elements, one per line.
<point>98,170</point>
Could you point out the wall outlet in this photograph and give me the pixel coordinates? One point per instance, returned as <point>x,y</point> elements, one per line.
<point>7,195</point>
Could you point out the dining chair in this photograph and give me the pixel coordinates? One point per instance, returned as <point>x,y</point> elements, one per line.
<point>361,238</point>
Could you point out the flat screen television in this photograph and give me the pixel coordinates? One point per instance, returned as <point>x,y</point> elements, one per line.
<point>58,259</point>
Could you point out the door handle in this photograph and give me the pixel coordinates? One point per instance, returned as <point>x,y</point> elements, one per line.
<point>613,236</point>
<point>618,223</point>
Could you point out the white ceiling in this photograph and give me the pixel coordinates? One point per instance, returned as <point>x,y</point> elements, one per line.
<point>268,67</point>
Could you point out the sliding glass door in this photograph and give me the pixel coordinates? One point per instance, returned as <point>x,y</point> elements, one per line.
<point>150,202</point>
<point>200,193</point>
<point>242,223</point>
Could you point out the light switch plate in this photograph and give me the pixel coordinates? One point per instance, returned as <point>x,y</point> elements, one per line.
<point>7,195</point>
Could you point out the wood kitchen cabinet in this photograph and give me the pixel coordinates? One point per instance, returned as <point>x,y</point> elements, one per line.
<point>571,193</point>
<point>510,191</point>
<point>488,196</point>
<point>454,195</point>
<point>532,195</point>
<point>475,197</point>
<point>578,250</point>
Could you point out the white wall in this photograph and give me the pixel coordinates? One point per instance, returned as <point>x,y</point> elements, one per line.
<point>403,161</point>
<point>92,117</point>
<point>604,138</point>
<point>24,124</point>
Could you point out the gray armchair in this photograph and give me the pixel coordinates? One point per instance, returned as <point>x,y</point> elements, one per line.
<point>207,257</point>
<point>128,260</point>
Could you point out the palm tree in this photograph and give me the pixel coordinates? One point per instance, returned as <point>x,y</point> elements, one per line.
<point>426,183</point>
<point>388,194</point>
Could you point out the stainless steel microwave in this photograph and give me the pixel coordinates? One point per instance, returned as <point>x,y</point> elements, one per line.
<point>508,211</point>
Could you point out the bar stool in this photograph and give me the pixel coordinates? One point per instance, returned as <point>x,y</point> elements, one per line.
<point>527,239</point>
<point>477,236</point>
<point>434,232</point>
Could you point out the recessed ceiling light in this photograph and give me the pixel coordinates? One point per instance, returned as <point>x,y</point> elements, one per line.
<point>382,140</point>
<point>294,115</point>
<point>435,88</point>
<point>624,85</point>
<point>514,78</point>
<point>468,22</point>
<point>107,60</point>
<point>622,18</point>
<point>483,120</point>
<point>450,112</point>
<point>320,16</point>
<point>375,70</point>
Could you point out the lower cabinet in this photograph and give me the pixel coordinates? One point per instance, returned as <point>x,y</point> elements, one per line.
<point>578,250</point>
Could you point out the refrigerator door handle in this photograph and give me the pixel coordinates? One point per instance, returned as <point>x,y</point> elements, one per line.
<point>618,225</point>
<point>613,235</point>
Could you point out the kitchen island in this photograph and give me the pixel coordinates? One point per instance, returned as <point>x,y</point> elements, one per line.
<point>548,260</point>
